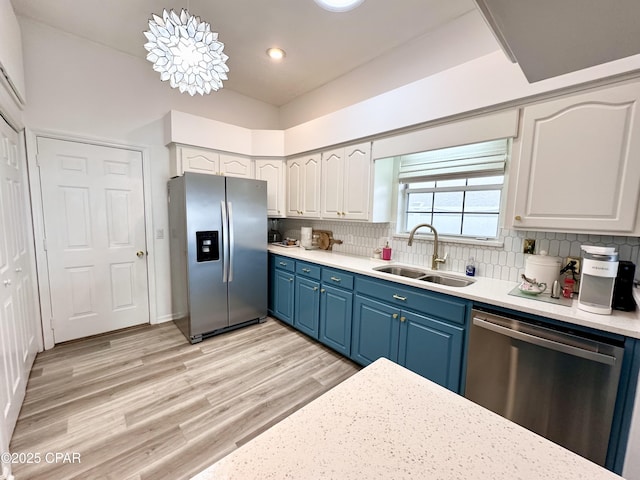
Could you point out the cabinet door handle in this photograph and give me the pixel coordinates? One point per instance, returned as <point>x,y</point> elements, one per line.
<point>315,289</point>
<point>335,279</point>
<point>291,279</point>
<point>306,270</point>
<point>398,297</point>
<point>284,264</point>
<point>518,218</point>
<point>322,291</point>
<point>395,315</point>
<point>402,319</point>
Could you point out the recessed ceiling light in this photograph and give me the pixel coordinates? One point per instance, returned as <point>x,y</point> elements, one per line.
<point>276,53</point>
<point>339,5</point>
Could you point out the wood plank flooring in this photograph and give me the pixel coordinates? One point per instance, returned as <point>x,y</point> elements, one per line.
<point>144,404</point>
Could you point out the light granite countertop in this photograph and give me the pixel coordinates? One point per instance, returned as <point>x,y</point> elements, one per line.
<point>386,422</point>
<point>485,290</point>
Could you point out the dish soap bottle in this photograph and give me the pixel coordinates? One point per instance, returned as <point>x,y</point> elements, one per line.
<point>470,270</point>
<point>386,252</point>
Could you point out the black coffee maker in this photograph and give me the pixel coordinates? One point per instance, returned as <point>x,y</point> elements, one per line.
<point>623,288</point>
<point>273,235</point>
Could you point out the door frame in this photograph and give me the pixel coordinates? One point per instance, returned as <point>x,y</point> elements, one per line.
<point>44,284</point>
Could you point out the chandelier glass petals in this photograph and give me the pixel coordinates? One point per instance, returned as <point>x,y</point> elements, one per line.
<point>186,52</point>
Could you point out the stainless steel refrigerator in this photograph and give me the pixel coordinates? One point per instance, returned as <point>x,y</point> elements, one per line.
<point>218,253</point>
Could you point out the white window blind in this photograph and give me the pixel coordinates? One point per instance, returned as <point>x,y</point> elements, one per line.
<point>479,159</point>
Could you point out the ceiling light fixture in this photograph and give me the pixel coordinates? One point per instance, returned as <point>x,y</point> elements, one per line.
<point>186,52</point>
<point>276,53</point>
<point>339,5</point>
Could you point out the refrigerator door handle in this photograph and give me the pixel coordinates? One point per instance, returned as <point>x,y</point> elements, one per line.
<point>231,241</point>
<point>223,209</point>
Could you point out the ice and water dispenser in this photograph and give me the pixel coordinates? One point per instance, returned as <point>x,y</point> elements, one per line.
<point>207,246</point>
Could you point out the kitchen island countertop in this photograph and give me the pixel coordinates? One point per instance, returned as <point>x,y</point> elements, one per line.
<point>386,422</point>
<point>485,290</point>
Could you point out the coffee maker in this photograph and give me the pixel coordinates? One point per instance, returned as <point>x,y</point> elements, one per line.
<point>599,271</point>
<point>623,289</point>
<point>273,235</point>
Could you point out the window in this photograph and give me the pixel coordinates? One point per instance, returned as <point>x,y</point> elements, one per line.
<point>457,190</point>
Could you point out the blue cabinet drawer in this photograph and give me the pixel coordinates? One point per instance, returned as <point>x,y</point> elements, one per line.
<point>284,263</point>
<point>337,278</point>
<point>440,305</point>
<point>308,270</point>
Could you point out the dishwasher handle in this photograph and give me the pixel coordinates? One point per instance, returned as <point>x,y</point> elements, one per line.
<point>545,342</point>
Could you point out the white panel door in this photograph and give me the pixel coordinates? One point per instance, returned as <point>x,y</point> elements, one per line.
<point>311,186</point>
<point>295,187</point>
<point>199,160</point>
<point>357,182</point>
<point>93,209</point>
<point>332,183</point>
<point>579,164</point>
<point>272,171</point>
<point>236,166</point>
<point>19,329</point>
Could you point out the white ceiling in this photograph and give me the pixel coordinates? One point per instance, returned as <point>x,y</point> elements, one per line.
<point>321,46</point>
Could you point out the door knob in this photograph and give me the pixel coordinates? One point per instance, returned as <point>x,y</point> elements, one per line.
<point>18,270</point>
<point>7,283</point>
<point>140,253</point>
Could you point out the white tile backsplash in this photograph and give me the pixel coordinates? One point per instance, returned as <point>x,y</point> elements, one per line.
<point>505,262</point>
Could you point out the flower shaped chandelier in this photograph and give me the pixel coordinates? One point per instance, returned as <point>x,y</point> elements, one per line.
<point>186,52</point>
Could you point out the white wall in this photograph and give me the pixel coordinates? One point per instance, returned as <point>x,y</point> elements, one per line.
<point>11,48</point>
<point>83,89</point>
<point>456,42</point>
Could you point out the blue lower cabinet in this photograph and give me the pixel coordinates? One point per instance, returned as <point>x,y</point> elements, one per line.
<point>283,295</point>
<point>375,331</point>
<point>431,348</point>
<point>307,306</point>
<point>425,345</point>
<point>336,306</point>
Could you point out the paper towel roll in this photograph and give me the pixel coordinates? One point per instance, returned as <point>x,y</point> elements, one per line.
<point>306,234</point>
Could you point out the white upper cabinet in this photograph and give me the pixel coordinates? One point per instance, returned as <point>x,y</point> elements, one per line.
<point>303,186</point>
<point>578,165</point>
<point>202,160</point>
<point>346,182</point>
<point>198,160</point>
<point>273,172</point>
<point>236,166</point>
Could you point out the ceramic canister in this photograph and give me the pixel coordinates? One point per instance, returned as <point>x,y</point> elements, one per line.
<point>306,236</point>
<point>543,268</point>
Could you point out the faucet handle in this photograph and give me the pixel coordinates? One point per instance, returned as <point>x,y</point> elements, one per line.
<point>443,259</point>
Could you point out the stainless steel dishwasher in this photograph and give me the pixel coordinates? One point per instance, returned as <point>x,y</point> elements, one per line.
<point>559,384</point>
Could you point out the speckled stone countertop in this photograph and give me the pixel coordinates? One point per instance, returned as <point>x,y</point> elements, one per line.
<point>485,290</point>
<point>386,422</point>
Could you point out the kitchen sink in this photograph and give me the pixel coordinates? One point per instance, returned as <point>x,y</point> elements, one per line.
<point>446,280</point>
<point>401,271</point>
<point>417,274</point>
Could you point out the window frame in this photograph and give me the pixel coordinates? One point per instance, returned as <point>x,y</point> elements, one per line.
<point>404,190</point>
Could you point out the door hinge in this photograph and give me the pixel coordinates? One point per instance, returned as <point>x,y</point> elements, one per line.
<point>44,243</point>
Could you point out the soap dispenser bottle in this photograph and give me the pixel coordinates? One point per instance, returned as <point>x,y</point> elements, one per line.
<point>470,269</point>
<point>386,252</point>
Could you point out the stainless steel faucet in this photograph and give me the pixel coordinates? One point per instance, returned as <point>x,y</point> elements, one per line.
<point>435,260</point>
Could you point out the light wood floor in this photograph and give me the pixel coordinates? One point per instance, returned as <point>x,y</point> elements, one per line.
<point>145,404</point>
